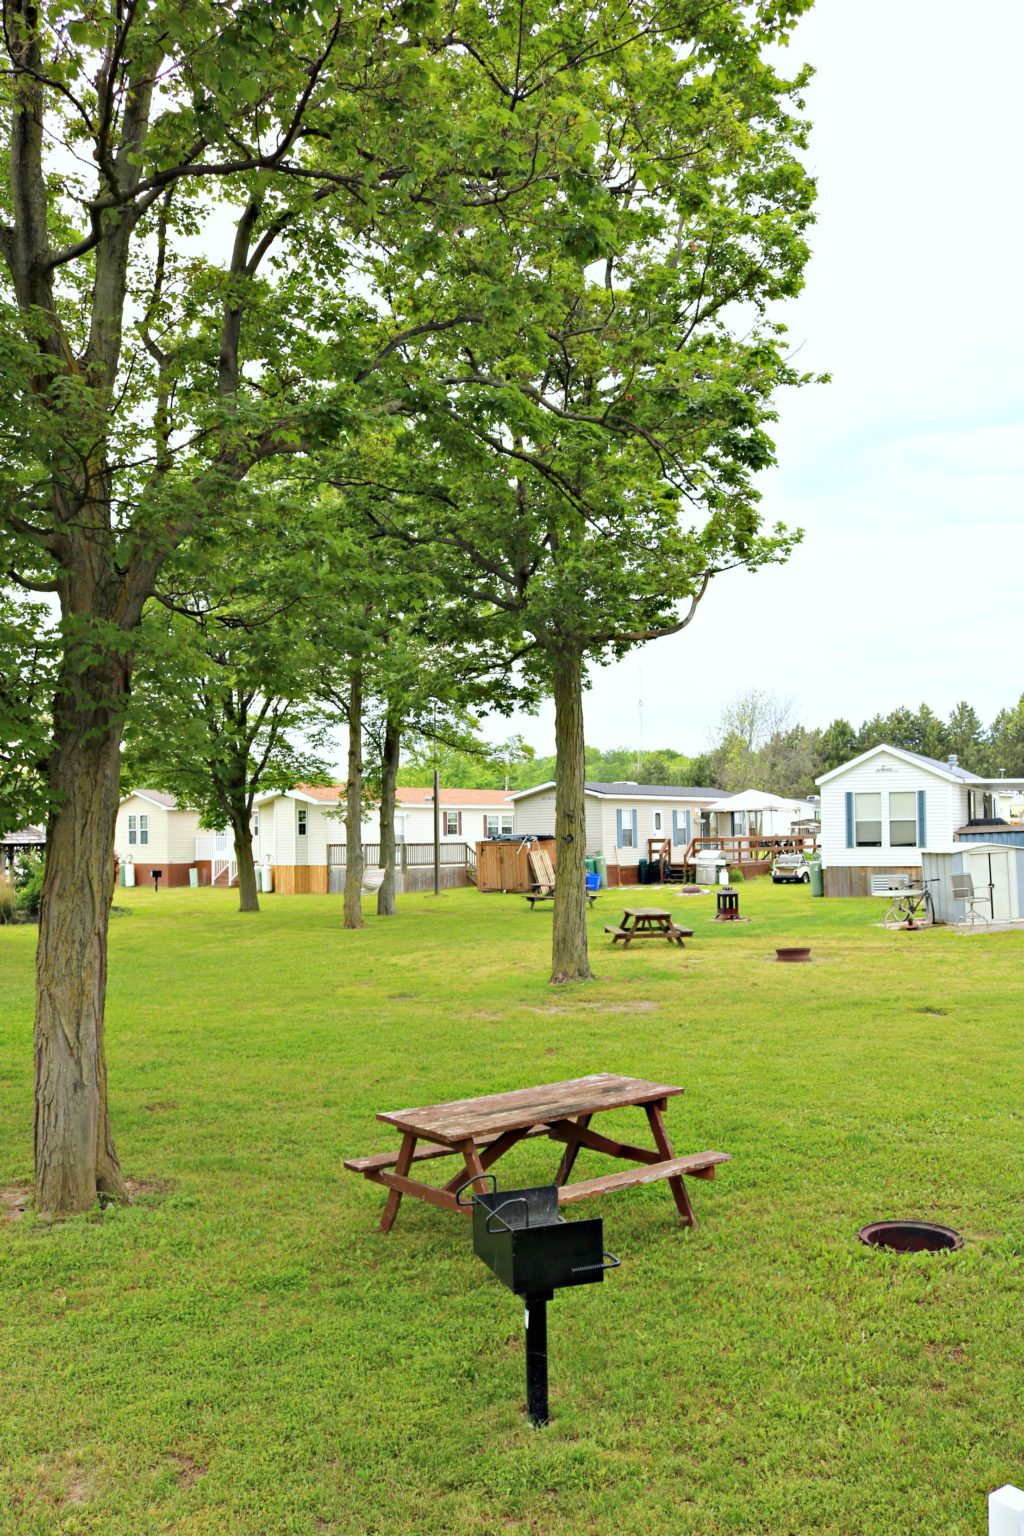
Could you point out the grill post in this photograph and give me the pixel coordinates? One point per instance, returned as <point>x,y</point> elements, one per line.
<point>537,1356</point>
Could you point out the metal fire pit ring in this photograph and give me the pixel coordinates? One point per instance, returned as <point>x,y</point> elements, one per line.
<point>911,1237</point>
<point>793,956</point>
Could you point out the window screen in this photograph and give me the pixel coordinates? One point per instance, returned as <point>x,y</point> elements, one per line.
<point>902,819</point>
<point>867,821</point>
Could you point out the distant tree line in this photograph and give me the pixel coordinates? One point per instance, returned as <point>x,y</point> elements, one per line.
<point>758,747</point>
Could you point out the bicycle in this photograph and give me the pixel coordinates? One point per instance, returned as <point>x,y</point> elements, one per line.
<point>907,902</point>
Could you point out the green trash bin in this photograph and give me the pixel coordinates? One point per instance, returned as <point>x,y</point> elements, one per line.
<point>601,867</point>
<point>642,871</point>
<point>817,880</point>
<point>591,866</point>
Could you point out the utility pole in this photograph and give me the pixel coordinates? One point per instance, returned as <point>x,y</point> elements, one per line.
<point>437,833</point>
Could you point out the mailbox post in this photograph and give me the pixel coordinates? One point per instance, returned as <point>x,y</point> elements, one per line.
<point>157,874</point>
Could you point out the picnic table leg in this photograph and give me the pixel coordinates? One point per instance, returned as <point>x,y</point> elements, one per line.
<point>664,1146</point>
<point>571,1152</point>
<point>474,1167</point>
<point>402,1167</point>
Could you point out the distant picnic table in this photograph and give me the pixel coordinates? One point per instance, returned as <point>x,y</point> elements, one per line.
<point>480,1131</point>
<point>648,923</point>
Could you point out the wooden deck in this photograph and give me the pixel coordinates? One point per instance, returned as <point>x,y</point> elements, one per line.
<point>753,853</point>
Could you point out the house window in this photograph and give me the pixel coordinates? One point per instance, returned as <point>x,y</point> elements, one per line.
<point>451,823</point>
<point>657,821</point>
<point>627,830</point>
<point>867,821</point>
<point>902,819</point>
<point>143,829</point>
<point>255,823</point>
<point>133,829</point>
<point>497,824</point>
<point>303,815</point>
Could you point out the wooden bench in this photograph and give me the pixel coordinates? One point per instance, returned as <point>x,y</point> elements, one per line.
<point>701,1165</point>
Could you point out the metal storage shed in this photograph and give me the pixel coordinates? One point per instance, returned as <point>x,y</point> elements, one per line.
<point>997,870</point>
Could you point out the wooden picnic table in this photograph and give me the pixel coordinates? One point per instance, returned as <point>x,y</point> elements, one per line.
<point>648,923</point>
<point>482,1130</point>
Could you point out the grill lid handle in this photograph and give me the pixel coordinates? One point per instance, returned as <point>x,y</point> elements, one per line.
<point>476,1177</point>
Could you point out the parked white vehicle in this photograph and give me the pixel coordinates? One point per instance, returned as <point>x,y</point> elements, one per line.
<point>790,869</point>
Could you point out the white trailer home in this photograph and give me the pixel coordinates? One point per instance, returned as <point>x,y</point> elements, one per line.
<point>301,831</point>
<point>620,819</point>
<point>880,809</point>
<point>152,831</point>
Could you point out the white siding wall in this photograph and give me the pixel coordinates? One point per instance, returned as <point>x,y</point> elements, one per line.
<point>284,830</point>
<point>263,840</point>
<point>182,831</point>
<point>324,825</point>
<point>945,810</point>
<point>536,815</point>
<point>419,824</point>
<point>156,850</point>
<point>645,812</point>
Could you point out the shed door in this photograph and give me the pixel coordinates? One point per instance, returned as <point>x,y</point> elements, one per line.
<point>1003,903</point>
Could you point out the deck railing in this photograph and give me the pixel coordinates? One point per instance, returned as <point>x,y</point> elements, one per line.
<point>407,855</point>
<point>215,845</point>
<point>751,847</point>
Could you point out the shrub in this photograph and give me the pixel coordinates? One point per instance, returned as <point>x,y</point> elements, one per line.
<point>736,876</point>
<point>30,887</point>
<point>7,901</point>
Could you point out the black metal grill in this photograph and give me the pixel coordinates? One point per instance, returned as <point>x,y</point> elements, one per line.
<point>520,1235</point>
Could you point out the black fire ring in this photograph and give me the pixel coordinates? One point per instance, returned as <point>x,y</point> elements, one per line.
<point>910,1237</point>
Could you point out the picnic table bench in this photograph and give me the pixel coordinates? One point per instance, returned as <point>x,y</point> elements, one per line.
<point>647,923</point>
<point>480,1131</point>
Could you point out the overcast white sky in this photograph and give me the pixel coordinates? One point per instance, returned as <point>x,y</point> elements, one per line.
<point>906,471</point>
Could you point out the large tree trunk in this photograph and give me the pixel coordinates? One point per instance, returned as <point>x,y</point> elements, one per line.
<point>75,1158</point>
<point>354,805</point>
<point>569,959</point>
<point>388,775</point>
<point>241,826</point>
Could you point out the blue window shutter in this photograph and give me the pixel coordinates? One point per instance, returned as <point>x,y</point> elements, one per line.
<point>675,826</point>
<point>633,814</point>
<point>618,829</point>
<point>686,827</point>
<point>922,831</point>
<point>849,818</point>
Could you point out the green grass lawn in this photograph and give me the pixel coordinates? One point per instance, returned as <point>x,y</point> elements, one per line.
<point>242,1352</point>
